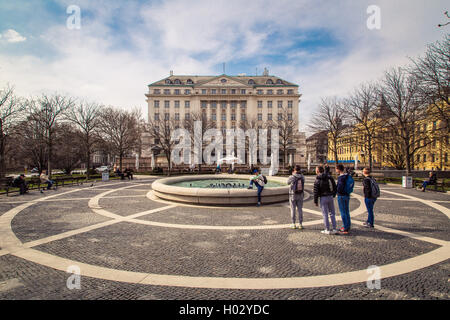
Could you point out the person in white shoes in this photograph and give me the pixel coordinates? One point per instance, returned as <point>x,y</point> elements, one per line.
<point>325,189</point>
<point>297,184</point>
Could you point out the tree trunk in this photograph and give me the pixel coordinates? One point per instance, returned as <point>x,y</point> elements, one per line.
<point>2,157</point>
<point>49,165</point>
<point>88,164</point>
<point>407,160</point>
<point>88,154</point>
<point>168,163</point>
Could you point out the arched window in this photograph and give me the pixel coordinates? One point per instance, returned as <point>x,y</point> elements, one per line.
<point>223,80</point>
<point>269,81</point>
<point>177,81</point>
<point>279,81</point>
<point>251,81</point>
<point>189,81</point>
<point>168,81</point>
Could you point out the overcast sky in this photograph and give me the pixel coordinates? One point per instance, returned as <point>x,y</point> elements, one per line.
<point>122,46</point>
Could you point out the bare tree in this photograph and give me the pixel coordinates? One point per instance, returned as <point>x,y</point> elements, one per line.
<point>69,146</point>
<point>30,137</point>
<point>402,97</point>
<point>393,151</point>
<point>11,110</point>
<point>119,129</point>
<point>331,117</point>
<point>361,107</point>
<point>433,73</point>
<point>86,116</point>
<point>47,110</point>
<point>206,124</point>
<point>286,125</point>
<point>161,133</point>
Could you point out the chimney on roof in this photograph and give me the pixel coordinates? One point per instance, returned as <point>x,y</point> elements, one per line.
<point>171,72</point>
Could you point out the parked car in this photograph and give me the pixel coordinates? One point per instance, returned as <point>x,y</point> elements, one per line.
<point>102,168</point>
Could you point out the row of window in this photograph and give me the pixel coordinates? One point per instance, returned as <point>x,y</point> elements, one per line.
<point>223,80</point>
<point>223,116</point>
<point>223,104</point>
<point>279,104</point>
<point>432,158</point>
<point>187,104</point>
<point>221,91</point>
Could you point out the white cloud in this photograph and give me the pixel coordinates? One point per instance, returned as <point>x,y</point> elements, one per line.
<point>12,36</point>
<point>192,37</point>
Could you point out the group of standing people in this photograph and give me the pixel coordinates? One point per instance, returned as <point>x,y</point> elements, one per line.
<point>325,190</point>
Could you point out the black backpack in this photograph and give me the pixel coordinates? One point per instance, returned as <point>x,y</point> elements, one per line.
<point>327,185</point>
<point>264,179</point>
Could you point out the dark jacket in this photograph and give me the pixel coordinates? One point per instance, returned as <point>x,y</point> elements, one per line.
<point>432,179</point>
<point>17,182</point>
<point>322,187</point>
<point>341,181</point>
<point>367,188</point>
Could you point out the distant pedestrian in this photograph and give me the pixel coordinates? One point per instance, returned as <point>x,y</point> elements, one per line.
<point>325,189</point>
<point>296,195</point>
<point>371,193</point>
<point>344,187</point>
<point>259,180</point>
<point>20,183</point>
<point>432,179</point>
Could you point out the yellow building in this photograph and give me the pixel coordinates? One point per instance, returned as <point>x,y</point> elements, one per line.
<point>430,139</point>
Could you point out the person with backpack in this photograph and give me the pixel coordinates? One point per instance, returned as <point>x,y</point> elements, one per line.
<point>371,193</point>
<point>325,189</point>
<point>259,180</point>
<point>344,188</point>
<point>296,195</point>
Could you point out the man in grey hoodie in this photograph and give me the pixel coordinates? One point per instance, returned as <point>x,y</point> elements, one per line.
<point>296,195</point>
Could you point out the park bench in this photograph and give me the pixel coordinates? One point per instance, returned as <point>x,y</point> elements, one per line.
<point>6,184</point>
<point>440,184</point>
<point>65,179</point>
<point>379,177</point>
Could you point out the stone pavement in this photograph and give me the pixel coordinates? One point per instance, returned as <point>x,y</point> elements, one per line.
<point>129,245</point>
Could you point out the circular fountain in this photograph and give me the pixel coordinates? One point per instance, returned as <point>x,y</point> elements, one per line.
<point>223,189</point>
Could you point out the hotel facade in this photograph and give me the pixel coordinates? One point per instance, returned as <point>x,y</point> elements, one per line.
<point>228,101</point>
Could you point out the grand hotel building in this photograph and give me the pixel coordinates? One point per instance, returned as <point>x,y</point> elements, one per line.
<point>227,100</point>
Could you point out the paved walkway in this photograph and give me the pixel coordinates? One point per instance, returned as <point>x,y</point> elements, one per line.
<point>127,244</point>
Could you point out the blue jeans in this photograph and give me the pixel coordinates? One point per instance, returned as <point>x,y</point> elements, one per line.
<point>50,183</point>
<point>327,206</point>
<point>343,202</point>
<point>260,189</point>
<point>424,185</point>
<point>369,205</point>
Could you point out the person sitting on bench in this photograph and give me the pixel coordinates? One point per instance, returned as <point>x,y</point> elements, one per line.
<point>129,173</point>
<point>120,174</point>
<point>44,179</point>
<point>431,181</point>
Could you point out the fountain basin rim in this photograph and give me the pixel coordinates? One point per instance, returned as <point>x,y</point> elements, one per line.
<point>163,189</point>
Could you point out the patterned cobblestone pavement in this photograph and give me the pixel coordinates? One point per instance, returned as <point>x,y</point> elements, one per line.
<point>229,243</point>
